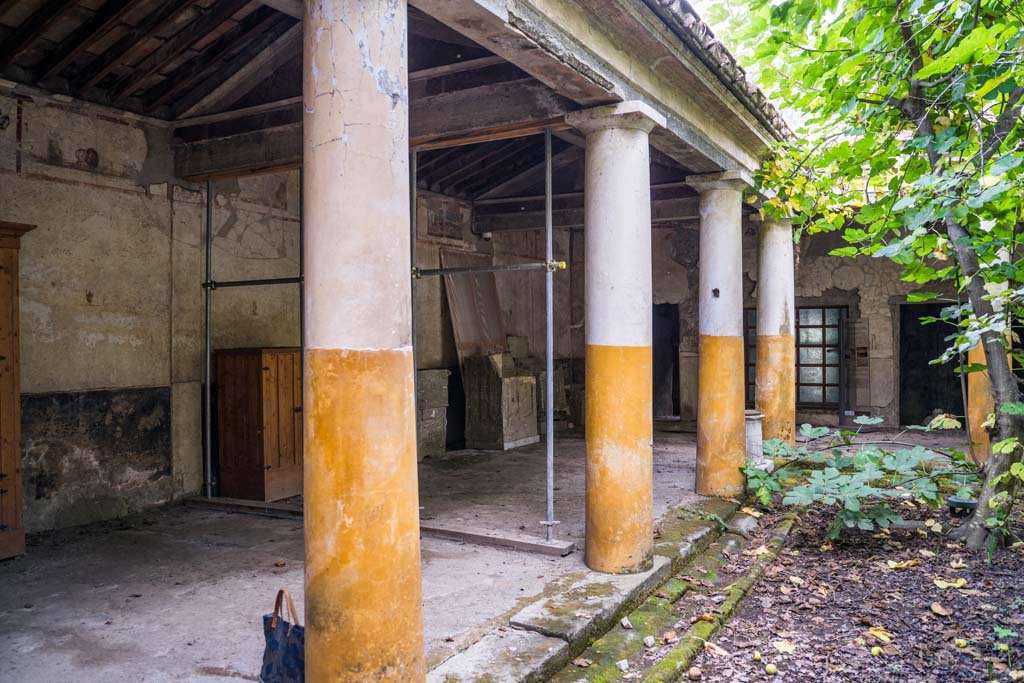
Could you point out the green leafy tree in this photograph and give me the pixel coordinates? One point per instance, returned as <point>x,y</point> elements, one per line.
<point>910,144</point>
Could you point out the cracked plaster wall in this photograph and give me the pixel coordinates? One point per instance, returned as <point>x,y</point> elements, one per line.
<point>111,304</point>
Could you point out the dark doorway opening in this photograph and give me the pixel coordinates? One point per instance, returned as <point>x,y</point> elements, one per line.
<point>925,389</point>
<point>666,360</point>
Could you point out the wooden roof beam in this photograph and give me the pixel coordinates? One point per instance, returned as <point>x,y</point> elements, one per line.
<point>471,162</point>
<point>32,28</point>
<point>679,210</point>
<point>157,20</point>
<point>534,174</point>
<point>105,19</point>
<point>493,112</point>
<point>248,75</point>
<point>292,8</point>
<point>201,27</point>
<point>251,35</point>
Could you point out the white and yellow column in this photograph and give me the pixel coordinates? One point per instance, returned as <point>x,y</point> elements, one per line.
<point>721,442</point>
<point>364,619</point>
<point>618,301</point>
<point>775,394</point>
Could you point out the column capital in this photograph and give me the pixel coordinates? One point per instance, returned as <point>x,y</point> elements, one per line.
<point>725,180</point>
<point>633,114</point>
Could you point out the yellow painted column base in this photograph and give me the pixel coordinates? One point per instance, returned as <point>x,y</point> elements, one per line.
<point>620,470</point>
<point>364,621</point>
<point>980,403</point>
<point>721,436</point>
<point>776,386</point>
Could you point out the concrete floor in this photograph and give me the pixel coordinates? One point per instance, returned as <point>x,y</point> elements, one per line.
<point>177,594</point>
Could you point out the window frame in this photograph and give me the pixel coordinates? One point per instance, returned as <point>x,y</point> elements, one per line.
<point>837,346</point>
<point>750,355</point>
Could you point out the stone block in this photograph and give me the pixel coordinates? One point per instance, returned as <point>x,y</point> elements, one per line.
<point>501,412</point>
<point>432,389</point>
<point>430,434</point>
<point>591,604</point>
<point>509,656</point>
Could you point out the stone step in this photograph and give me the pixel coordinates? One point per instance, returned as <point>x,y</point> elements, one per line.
<point>573,611</point>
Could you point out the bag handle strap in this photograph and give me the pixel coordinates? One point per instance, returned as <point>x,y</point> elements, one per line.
<point>277,608</point>
<point>284,595</point>
<point>291,610</point>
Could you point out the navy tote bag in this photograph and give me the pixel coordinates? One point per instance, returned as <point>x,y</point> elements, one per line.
<point>284,654</point>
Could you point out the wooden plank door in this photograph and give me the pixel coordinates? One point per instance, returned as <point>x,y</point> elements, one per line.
<point>282,433</point>
<point>12,529</point>
<point>239,432</point>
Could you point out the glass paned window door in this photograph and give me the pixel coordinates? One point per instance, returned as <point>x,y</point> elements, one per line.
<point>750,353</point>
<point>819,354</point>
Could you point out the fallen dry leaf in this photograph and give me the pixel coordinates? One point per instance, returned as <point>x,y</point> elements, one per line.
<point>905,564</point>
<point>796,580</point>
<point>880,633</point>
<point>582,662</point>
<point>955,583</point>
<point>926,553</point>
<point>752,512</point>
<point>715,649</point>
<point>940,610</point>
<point>958,564</point>
<point>758,551</point>
<point>786,647</point>
<point>1016,675</point>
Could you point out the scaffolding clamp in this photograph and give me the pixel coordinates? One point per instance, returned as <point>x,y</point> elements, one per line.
<point>552,265</point>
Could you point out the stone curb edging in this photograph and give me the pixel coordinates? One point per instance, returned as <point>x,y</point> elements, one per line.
<point>544,646</point>
<point>674,666</point>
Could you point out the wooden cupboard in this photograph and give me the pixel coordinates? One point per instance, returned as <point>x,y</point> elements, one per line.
<point>259,423</point>
<point>12,526</point>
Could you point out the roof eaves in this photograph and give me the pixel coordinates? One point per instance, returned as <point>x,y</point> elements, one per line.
<point>684,21</point>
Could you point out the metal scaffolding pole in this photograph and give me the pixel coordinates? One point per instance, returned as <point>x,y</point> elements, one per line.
<point>549,266</point>
<point>549,349</point>
<point>464,270</point>
<point>208,355</point>
<point>209,284</point>
<point>412,284</point>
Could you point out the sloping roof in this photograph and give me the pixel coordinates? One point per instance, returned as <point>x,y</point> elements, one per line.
<point>684,21</point>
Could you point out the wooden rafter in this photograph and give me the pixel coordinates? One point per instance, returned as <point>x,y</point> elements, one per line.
<point>676,210</point>
<point>425,26</point>
<point>471,162</point>
<point>529,177</point>
<point>157,20</point>
<point>292,8</point>
<point>32,28</point>
<point>470,184</point>
<point>6,5</point>
<point>455,68</point>
<point>248,75</point>
<point>261,28</point>
<point>106,18</point>
<point>219,14</point>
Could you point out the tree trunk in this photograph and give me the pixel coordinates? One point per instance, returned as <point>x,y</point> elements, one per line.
<point>974,531</point>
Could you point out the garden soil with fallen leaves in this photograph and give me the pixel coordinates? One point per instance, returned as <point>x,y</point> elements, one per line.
<point>932,611</point>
